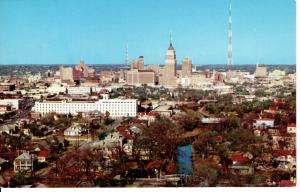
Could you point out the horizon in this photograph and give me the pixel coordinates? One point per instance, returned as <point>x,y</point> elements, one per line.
<point>63,32</point>
<point>178,64</point>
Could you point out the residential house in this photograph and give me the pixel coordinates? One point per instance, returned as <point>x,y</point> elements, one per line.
<point>286,158</point>
<point>291,128</point>
<point>42,155</point>
<point>241,165</point>
<point>4,108</point>
<point>73,131</point>
<point>23,162</point>
<point>8,128</point>
<point>263,123</point>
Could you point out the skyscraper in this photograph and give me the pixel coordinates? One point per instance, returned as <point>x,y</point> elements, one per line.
<point>170,61</point>
<point>141,62</point>
<point>186,67</point>
<point>169,77</point>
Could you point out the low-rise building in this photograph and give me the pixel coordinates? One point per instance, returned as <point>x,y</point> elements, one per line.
<point>42,155</point>
<point>23,162</point>
<point>291,128</point>
<point>263,123</point>
<point>73,131</point>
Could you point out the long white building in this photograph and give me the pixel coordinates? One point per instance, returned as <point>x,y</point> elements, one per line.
<point>115,107</point>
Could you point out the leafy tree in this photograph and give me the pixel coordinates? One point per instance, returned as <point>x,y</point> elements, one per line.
<point>241,139</point>
<point>161,138</point>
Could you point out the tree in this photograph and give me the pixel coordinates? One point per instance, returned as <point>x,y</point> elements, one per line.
<point>208,171</point>
<point>241,139</point>
<point>189,121</point>
<point>161,138</point>
<point>205,143</point>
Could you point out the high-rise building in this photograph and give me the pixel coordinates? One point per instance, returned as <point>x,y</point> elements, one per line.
<point>261,71</point>
<point>134,64</point>
<point>139,77</point>
<point>66,73</point>
<point>186,67</point>
<point>141,63</point>
<point>170,61</point>
<point>169,75</point>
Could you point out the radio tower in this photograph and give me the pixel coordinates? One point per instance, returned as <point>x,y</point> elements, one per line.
<point>229,64</point>
<point>126,55</point>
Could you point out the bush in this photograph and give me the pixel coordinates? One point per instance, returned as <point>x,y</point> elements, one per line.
<point>102,135</point>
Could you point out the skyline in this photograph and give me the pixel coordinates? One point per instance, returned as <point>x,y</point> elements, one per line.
<point>54,32</point>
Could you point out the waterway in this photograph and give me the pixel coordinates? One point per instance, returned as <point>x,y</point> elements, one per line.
<point>184,159</point>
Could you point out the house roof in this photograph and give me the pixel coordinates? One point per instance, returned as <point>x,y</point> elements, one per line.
<point>24,156</point>
<point>125,132</point>
<point>284,153</point>
<point>264,119</point>
<point>2,160</point>
<point>44,153</point>
<point>286,183</point>
<point>239,158</point>
<point>292,125</point>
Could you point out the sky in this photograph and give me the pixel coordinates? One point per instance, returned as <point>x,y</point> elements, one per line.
<point>97,31</point>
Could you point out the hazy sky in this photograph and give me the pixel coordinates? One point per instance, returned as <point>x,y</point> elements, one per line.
<point>65,31</point>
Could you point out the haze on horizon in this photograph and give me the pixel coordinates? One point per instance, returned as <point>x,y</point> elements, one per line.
<point>96,31</point>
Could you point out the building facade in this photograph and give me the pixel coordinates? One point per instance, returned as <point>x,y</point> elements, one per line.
<point>115,107</point>
<point>139,77</point>
<point>186,67</point>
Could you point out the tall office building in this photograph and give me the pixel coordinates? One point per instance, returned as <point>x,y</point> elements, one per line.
<point>186,67</point>
<point>134,64</point>
<point>261,71</point>
<point>170,61</point>
<point>169,75</point>
<point>141,63</point>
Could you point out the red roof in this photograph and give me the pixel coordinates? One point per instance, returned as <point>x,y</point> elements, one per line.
<point>285,153</point>
<point>292,125</point>
<point>153,164</point>
<point>44,153</point>
<point>125,131</point>
<point>264,119</point>
<point>239,158</point>
<point>286,183</point>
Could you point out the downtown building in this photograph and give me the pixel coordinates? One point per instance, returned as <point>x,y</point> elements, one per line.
<point>116,107</point>
<point>138,75</point>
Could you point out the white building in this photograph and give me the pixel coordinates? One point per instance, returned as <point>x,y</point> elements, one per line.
<point>115,107</point>
<point>73,131</point>
<point>14,103</point>
<point>291,128</point>
<point>264,122</point>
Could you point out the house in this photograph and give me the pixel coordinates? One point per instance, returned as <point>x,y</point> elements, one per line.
<point>2,161</point>
<point>42,155</point>
<point>209,120</point>
<point>115,139</point>
<point>286,158</point>
<point>287,183</point>
<point>241,165</point>
<point>4,108</point>
<point>23,162</point>
<point>263,123</point>
<point>150,117</point>
<point>9,128</point>
<point>291,128</point>
<point>73,131</point>
<point>128,136</point>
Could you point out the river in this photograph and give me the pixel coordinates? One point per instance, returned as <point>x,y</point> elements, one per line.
<point>184,159</point>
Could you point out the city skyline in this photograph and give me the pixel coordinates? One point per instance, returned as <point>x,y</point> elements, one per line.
<point>98,31</point>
